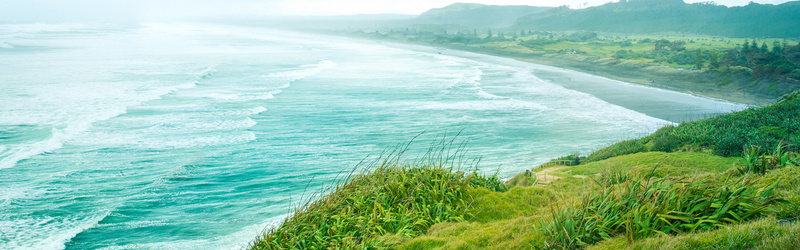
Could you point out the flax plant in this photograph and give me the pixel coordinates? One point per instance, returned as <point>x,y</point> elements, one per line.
<point>384,204</point>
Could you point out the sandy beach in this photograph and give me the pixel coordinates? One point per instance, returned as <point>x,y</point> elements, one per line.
<point>663,77</point>
<point>664,102</point>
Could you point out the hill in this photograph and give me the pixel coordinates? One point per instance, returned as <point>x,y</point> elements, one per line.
<point>477,15</point>
<point>684,197</point>
<point>654,16</point>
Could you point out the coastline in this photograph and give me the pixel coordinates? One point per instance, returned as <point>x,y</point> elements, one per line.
<point>697,83</point>
<point>670,104</point>
<point>509,203</point>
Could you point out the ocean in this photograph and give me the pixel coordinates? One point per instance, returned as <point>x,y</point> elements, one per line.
<point>174,136</point>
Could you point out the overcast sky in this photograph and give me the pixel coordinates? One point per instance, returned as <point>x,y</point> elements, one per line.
<point>155,10</point>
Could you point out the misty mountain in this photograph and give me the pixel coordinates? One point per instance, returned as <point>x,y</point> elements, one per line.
<point>477,15</point>
<point>650,16</point>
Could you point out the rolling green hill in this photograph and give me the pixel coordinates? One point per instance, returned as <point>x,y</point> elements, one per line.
<point>654,16</point>
<point>477,15</point>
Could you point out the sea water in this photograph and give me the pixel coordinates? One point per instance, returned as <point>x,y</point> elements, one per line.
<point>164,136</point>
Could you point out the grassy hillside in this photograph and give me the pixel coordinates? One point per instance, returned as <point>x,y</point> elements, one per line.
<point>748,54</point>
<point>652,16</point>
<point>471,15</point>
<point>603,194</point>
<point>640,199</point>
<point>766,129</point>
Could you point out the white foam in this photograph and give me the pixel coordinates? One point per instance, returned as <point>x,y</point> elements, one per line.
<point>11,193</point>
<point>470,78</point>
<point>583,106</point>
<point>56,232</point>
<point>257,110</point>
<point>206,73</point>
<point>6,45</point>
<point>41,27</point>
<point>483,105</point>
<point>244,112</point>
<point>14,156</point>
<point>472,81</point>
<point>222,96</point>
<point>81,123</point>
<point>304,72</point>
<point>206,126</point>
<point>289,77</point>
<point>197,141</point>
<point>483,94</point>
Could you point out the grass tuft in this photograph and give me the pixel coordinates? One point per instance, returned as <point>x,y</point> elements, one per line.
<point>642,208</point>
<point>379,207</point>
<point>725,135</point>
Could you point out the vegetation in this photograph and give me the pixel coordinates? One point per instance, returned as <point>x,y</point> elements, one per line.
<point>638,209</point>
<point>651,16</point>
<point>373,209</point>
<point>755,129</point>
<point>728,181</point>
<point>764,233</point>
<point>475,15</point>
<point>633,198</point>
<point>525,216</point>
<point>766,66</point>
<point>781,61</point>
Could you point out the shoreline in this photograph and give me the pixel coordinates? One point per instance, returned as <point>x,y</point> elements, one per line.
<point>663,77</point>
<point>669,104</point>
<point>696,83</point>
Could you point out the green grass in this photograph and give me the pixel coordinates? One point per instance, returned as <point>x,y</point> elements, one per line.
<point>378,207</point>
<point>724,135</point>
<point>689,186</point>
<point>513,219</point>
<point>766,233</point>
<point>676,163</point>
<point>640,208</point>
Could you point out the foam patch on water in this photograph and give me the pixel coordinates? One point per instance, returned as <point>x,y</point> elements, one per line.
<point>483,105</point>
<point>575,105</point>
<point>206,126</point>
<point>485,95</point>
<point>82,123</point>
<point>41,27</point>
<point>468,78</point>
<point>8,194</point>
<point>289,77</point>
<point>206,73</point>
<point>244,112</point>
<point>50,233</point>
<point>198,141</point>
<point>305,71</point>
<point>222,96</point>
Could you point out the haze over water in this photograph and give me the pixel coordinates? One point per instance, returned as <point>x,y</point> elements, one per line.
<point>200,136</point>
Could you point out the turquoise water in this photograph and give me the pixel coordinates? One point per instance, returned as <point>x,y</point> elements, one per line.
<point>201,136</point>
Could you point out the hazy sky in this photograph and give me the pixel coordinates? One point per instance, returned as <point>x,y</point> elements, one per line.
<point>153,10</point>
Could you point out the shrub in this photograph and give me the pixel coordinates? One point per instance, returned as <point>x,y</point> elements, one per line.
<point>377,208</point>
<point>639,209</point>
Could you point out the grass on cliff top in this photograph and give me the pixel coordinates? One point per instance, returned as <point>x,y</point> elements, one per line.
<point>724,135</point>
<point>681,187</point>
<point>515,219</point>
<point>388,202</point>
<point>765,233</point>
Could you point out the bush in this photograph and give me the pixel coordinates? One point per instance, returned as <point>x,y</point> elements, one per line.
<point>725,135</point>
<point>377,208</point>
<point>640,209</point>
